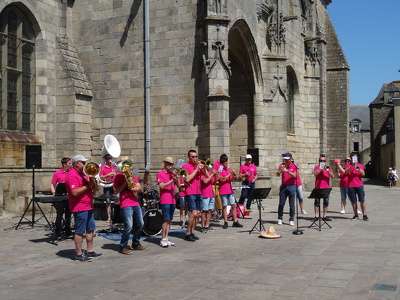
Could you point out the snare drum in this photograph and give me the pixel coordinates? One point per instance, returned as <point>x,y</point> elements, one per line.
<point>153,220</point>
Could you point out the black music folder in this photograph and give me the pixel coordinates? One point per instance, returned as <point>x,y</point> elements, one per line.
<point>61,189</point>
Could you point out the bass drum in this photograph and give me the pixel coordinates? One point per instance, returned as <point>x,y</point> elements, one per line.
<point>153,220</point>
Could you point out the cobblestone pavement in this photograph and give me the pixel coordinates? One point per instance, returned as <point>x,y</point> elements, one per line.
<point>351,260</point>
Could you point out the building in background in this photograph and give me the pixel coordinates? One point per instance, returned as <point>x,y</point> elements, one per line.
<point>225,76</point>
<point>385,118</point>
<point>360,131</point>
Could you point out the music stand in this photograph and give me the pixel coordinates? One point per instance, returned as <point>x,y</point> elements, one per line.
<point>258,194</point>
<point>297,231</point>
<point>318,194</point>
<point>33,202</point>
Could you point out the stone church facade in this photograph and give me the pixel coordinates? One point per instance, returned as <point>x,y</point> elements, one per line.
<point>225,76</point>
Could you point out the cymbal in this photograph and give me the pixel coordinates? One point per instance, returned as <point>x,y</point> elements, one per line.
<point>112,197</point>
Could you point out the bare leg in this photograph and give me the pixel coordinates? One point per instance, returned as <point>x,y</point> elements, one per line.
<point>89,240</point>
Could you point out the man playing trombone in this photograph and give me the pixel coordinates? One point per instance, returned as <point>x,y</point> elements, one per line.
<point>323,173</point>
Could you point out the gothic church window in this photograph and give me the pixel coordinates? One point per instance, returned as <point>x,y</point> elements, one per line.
<point>17,71</point>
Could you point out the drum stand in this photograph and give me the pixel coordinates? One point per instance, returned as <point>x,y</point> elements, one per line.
<point>258,195</point>
<point>320,194</point>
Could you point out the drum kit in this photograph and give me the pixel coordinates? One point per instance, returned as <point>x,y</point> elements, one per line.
<point>149,198</point>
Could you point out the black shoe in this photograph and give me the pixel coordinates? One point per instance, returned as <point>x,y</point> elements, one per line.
<point>203,230</point>
<point>181,223</point>
<point>237,224</point>
<point>195,236</point>
<point>83,257</point>
<point>225,225</point>
<point>327,219</point>
<point>365,218</point>
<point>189,238</point>
<point>93,254</point>
<point>314,219</point>
<point>355,218</point>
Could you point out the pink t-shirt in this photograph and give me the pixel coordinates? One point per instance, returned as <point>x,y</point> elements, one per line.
<point>126,196</point>
<point>104,170</point>
<point>251,170</point>
<point>195,183</point>
<point>207,188</point>
<point>322,179</point>
<point>287,179</point>
<point>59,176</point>
<point>84,201</point>
<point>344,178</point>
<point>355,177</point>
<point>225,188</point>
<point>167,194</point>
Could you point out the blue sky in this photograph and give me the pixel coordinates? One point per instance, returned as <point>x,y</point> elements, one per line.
<point>369,32</point>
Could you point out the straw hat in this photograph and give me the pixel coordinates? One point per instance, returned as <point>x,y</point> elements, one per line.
<point>270,234</point>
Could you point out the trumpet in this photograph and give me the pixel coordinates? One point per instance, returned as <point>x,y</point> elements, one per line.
<point>125,167</point>
<point>92,170</point>
<point>358,168</point>
<point>326,167</point>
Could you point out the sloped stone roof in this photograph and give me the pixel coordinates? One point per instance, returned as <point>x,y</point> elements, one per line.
<point>361,112</point>
<point>393,86</point>
<point>73,66</point>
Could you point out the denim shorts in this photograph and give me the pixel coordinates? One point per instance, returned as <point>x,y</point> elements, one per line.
<point>194,201</point>
<point>228,199</point>
<point>108,191</point>
<point>317,201</point>
<point>168,211</point>
<point>84,221</point>
<point>355,192</point>
<point>182,202</point>
<point>208,203</point>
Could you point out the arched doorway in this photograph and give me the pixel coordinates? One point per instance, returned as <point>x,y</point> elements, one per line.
<point>244,64</point>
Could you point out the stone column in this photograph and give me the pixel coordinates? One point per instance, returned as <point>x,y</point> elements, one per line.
<point>218,72</point>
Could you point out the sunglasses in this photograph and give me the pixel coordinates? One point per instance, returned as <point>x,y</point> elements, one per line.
<point>194,156</point>
<point>322,160</point>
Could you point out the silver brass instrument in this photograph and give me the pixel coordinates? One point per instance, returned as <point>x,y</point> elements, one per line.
<point>112,147</point>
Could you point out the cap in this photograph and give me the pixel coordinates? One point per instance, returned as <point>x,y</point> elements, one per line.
<point>107,155</point>
<point>168,159</point>
<point>287,155</point>
<point>78,158</point>
<point>248,156</point>
<point>122,158</point>
<point>390,168</point>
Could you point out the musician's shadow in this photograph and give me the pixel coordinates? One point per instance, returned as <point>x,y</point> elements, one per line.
<point>113,247</point>
<point>67,253</point>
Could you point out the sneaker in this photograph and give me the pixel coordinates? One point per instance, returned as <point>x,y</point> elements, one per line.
<point>181,223</point>
<point>279,222</point>
<point>315,219</point>
<point>138,247</point>
<point>209,228</point>
<point>237,224</point>
<point>359,211</point>
<point>83,257</point>
<point>355,218</point>
<point>225,225</point>
<point>365,218</point>
<point>195,236</point>
<point>203,230</point>
<point>327,219</point>
<point>164,243</point>
<point>189,238</point>
<point>125,250</point>
<point>342,211</point>
<point>291,223</point>
<point>93,254</point>
<point>303,212</point>
<point>170,243</point>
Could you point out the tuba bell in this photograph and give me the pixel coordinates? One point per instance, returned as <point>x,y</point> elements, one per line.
<point>112,147</point>
<point>125,168</point>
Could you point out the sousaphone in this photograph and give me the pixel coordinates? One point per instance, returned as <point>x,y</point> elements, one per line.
<point>112,147</point>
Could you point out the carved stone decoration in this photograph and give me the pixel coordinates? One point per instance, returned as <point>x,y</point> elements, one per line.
<point>210,64</point>
<point>280,86</point>
<point>217,7</point>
